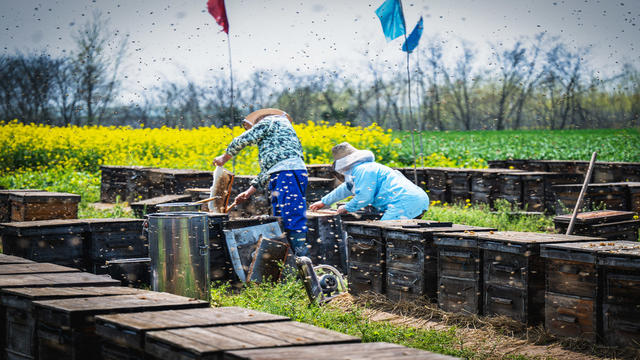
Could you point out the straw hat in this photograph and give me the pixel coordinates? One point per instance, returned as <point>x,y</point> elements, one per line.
<point>345,156</point>
<point>258,115</point>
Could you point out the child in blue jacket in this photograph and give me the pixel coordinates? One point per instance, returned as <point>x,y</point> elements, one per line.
<point>282,169</point>
<point>374,184</point>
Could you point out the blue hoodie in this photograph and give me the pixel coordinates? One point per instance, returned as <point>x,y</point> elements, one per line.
<point>384,188</point>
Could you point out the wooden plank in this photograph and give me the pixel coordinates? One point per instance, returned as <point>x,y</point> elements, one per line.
<point>10,259</point>
<point>211,342</point>
<point>34,268</point>
<point>357,351</point>
<point>60,279</point>
<point>128,330</point>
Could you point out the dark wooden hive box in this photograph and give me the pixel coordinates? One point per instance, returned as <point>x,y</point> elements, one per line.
<point>124,334</point>
<point>21,320</point>
<point>33,268</point>
<point>134,272</point>
<point>437,184</point>
<point>378,351</point>
<point>318,187</point>
<point>531,190</point>
<point>43,205</point>
<point>484,184</point>
<point>213,342</point>
<point>621,294</point>
<point>412,257</point>
<point>122,183</point>
<point>367,256</point>
<point>260,203</point>
<point>613,196</point>
<point>321,171</point>
<point>459,184</point>
<point>573,290</point>
<point>220,268</point>
<point>148,206</point>
<point>56,241</point>
<point>5,204</point>
<point>605,172</point>
<point>110,239</point>
<point>567,166</point>
<point>634,196</point>
<point>66,327</point>
<point>514,273</point>
<point>609,224</point>
<point>459,272</point>
<point>326,239</point>
<point>423,178</point>
<point>164,181</point>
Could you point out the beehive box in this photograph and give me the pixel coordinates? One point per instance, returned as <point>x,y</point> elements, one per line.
<point>485,187</point>
<point>66,327</point>
<point>606,172</point>
<point>259,204</point>
<point>5,204</point>
<point>412,257</point>
<point>43,205</point>
<point>608,224</point>
<point>220,267</point>
<point>321,171</point>
<point>55,280</point>
<point>459,277</point>
<point>110,239</point>
<point>327,240</point>
<point>17,304</point>
<point>175,181</point>
<point>213,342</point>
<point>437,184</point>
<point>514,272</point>
<point>33,268</point>
<point>567,166</point>
<point>123,334</point>
<point>134,272</point>
<point>634,196</point>
<point>367,256</point>
<point>613,196</point>
<point>573,290</point>
<point>621,294</point>
<point>56,241</point>
<point>318,187</point>
<point>378,350</point>
<point>410,173</point>
<point>149,206</point>
<point>459,181</point>
<point>122,183</point>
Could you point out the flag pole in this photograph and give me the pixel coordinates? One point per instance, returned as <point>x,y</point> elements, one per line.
<point>413,143</point>
<point>233,162</point>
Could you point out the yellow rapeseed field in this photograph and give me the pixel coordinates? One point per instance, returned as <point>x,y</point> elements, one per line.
<point>41,147</point>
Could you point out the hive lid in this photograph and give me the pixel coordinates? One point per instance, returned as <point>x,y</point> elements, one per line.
<point>517,237</point>
<point>594,217</point>
<point>43,196</point>
<point>587,246</point>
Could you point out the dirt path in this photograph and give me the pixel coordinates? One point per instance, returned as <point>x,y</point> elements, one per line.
<point>490,338</point>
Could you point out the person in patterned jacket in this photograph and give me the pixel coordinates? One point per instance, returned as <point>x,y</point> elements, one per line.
<point>282,169</point>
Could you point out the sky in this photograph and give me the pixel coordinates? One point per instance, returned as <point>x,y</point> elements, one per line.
<point>179,40</point>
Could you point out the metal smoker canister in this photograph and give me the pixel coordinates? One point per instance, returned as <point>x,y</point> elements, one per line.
<point>179,252</point>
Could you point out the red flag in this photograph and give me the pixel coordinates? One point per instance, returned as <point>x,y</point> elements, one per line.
<point>217,10</point>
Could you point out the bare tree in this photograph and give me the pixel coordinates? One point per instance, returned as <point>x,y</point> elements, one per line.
<point>460,86</point>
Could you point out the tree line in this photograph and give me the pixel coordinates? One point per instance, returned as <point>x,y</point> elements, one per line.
<point>535,83</point>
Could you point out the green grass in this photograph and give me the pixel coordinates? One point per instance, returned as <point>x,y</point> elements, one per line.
<point>469,146</point>
<point>289,299</point>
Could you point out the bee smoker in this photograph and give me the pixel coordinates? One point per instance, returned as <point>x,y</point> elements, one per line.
<point>323,288</point>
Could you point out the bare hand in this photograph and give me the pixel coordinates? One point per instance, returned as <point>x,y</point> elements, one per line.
<point>316,206</point>
<point>244,196</point>
<point>221,160</point>
<point>342,210</point>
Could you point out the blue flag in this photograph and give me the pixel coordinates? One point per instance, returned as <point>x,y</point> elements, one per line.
<point>392,19</point>
<point>412,41</point>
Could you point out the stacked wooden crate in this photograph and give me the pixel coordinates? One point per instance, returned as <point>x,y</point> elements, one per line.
<point>608,224</point>
<point>321,170</point>
<point>174,181</point>
<point>611,196</point>
<point>532,190</point>
<point>113,239</point>
<point>412,257</point>
<point>485,185</point>
<point>326,239</point>
<point>634,196</point>
<point>411,173</point>
<point>5,204</point>
<point>437,184</point>
<point>367,256</point>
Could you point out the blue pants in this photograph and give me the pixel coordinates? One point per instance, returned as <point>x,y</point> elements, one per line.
<point>288,190</point>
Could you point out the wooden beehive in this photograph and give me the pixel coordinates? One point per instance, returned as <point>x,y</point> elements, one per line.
<point>611,196</point>
<point>318,187</point>
<point>437,184</point>
<point>573,290</point>
<point>133,272</point>
<point>606,172</point>
<point>514,272</point>
<point>376,350</point>
<point>122,183</point>
<point>56,241</point>
<point>321,171</point>
<point>111,239</point>
<point>634,196</point>
<point>459,277</point>
<point>21,319</point>
<point>412,257</point>
<point>485,187</point>
<point>367,256</point>
<point>149,206</point>
<point>260,203</point>
<point>621,294</point>
<point>175,181</point>
<point>43,205</point>
<point>326,239</point>
<point>34,268</point>
<point>459,184</point>
<point>213,342</point>
<point>66,327</point>
<point>567,166</point>
<point>410,173</point>
<point>55,280</point>
<point>5,204</point>
<point>608,224</point>
<point>124,334</point>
